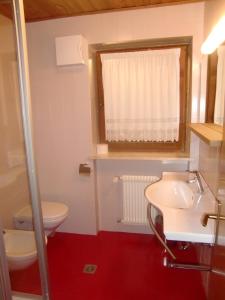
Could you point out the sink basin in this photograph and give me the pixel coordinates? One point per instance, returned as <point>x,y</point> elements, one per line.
<point>171,193</point>
<point>182,206</point>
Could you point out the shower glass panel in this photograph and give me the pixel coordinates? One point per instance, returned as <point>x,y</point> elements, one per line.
<point>217,276</point>
<point>14,184</point>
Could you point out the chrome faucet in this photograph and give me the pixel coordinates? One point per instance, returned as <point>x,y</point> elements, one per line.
<point>198,180</point>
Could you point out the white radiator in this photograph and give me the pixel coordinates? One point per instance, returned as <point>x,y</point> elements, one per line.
<point>134,201</point>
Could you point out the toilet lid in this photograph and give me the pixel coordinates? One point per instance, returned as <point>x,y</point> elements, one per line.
<point>50,211</point>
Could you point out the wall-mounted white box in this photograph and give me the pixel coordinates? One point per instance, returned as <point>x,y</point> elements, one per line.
<point>71,50</point>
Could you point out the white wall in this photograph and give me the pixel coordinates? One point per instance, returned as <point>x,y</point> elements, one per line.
<point>209,165</point>
<point>214,10</point>
<point>62,103</point>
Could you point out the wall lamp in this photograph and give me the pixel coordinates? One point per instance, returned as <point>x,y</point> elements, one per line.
<point>215,38</point>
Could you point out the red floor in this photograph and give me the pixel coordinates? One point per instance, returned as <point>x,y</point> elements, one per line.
<point>129,268</point>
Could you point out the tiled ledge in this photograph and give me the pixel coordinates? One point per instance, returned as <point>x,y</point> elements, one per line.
<point>163,156</point>
<point>210,133</point>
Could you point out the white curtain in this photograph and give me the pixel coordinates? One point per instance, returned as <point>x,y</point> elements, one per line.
<point>142,95</point>
<point>220,87</point>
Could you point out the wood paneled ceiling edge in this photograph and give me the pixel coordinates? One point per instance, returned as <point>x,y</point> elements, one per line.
<point>37,18</point>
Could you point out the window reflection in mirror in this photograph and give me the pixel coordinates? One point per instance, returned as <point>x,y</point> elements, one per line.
<point>216,87</point>
<point>220,87</point>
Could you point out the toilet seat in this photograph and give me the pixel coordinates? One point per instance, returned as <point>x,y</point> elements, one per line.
<point>19,243</point>
<point>20,246</point>
<point>51,211</point>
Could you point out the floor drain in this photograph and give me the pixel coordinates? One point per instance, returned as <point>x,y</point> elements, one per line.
<point>90,269</point>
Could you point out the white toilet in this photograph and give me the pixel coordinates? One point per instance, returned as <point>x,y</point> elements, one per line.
<point>20,248</point>
<point>54,214</point>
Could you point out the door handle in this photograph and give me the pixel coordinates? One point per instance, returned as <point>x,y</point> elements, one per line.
<point>211,216</point>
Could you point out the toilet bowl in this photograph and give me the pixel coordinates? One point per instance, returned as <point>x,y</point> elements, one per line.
<point>53,213</point>
<point>20,248</point>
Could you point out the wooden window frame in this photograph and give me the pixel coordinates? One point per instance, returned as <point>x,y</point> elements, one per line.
<point>185,73</point>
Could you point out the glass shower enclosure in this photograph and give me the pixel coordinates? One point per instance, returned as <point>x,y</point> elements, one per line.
<point>18,181</point>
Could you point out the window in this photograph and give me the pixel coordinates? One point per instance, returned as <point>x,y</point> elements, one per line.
<point>143,98</point>
<point>211,87</point>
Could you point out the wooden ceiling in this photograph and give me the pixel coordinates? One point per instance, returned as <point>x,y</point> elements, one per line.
<point>36,10</point>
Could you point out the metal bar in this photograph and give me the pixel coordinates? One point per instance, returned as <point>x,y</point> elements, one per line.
<point>27,127</point>
<point>221,218</point>
<point>219,207</point>
<point>25,296</point>
<point>218,272</point>
<point>156,232</point>
<point>5,287</point>
<point>185,266</point>
<point>217,217</point>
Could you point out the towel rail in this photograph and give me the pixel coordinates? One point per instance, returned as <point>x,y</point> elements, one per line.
<point>166,262</point>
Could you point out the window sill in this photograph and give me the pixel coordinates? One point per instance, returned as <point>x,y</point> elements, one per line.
<point>164,156</point>
<point>210,133</point>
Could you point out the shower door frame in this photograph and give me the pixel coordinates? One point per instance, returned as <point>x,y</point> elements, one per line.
<point>25,102</point>
<point>5,286</point>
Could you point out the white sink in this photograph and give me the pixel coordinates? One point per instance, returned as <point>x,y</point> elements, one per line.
<point>171,193</point>
<point>182,207</point>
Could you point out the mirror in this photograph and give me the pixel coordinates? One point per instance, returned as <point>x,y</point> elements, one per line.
<point>216,87</point>
<point>220,87</point>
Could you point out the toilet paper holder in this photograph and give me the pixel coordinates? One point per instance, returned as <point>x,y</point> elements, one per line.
<point>84,170</point>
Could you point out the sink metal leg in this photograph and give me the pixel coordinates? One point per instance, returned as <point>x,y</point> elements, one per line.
<point>156,232</point>
<point>182,246</point>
